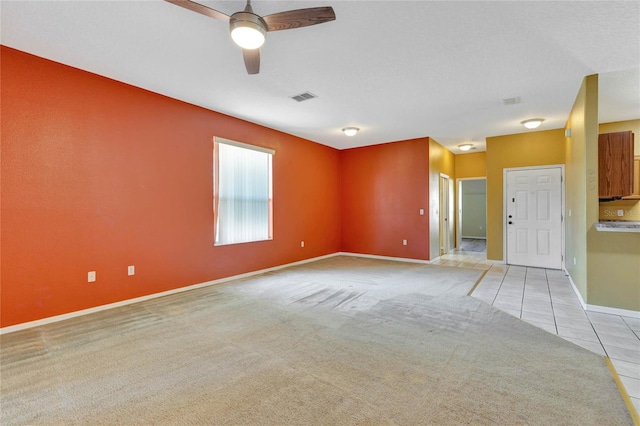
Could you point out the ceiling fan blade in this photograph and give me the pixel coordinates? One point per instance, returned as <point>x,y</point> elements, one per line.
<point>251,60</point>
<point>203,10</point>
<point>299,18</point>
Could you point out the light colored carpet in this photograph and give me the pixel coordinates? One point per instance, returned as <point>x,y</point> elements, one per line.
<point>339,341</point>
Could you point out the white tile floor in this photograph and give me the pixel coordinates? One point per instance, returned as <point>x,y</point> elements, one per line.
<point>545,299</point>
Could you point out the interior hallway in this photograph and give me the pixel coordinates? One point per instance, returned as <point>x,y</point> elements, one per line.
<point>544,298</point>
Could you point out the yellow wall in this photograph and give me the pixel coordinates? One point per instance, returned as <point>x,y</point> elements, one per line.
<point>471,165</point>
<point>521,150</point>
<point>613,258</point>
<point>441,160</point>
<point>607,264</point>
<point>613,269</point>
<point>581,179</point>
<point>630,210</point>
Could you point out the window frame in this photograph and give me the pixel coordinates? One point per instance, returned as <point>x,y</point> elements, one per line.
<point>216,158</point>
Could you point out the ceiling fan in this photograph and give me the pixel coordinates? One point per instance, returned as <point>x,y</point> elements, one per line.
<point>248,30</point>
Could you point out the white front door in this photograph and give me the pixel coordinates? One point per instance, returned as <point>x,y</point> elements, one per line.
<point>534,217</point>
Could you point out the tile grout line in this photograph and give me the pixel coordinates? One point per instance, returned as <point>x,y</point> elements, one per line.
<point>553,311</point>
<point>629,325</point>
<point>524,286</point>
<point>597,335</point>
<point>501,282</point>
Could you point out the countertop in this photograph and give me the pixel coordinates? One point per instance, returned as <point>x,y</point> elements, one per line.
<point>618,226</point>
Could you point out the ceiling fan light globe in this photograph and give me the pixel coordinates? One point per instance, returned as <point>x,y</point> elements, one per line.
<point>247,38</point>
<point>247,31</point>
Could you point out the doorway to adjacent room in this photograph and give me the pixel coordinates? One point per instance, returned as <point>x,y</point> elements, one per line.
<point>472,215</point>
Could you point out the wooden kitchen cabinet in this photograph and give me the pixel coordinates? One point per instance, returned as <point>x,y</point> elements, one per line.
<point>615,165</point>
<point>635,195</point>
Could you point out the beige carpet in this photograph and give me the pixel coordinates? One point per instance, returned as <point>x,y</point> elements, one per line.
<point>340,341</point>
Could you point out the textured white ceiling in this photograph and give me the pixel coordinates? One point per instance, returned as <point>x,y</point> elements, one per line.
<point>396,69</point>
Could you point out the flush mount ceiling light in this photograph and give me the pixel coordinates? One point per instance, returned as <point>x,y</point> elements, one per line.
<point>465,146</point>
<point>532,123</point>
<point>247,29</point>
<point>350,131</point>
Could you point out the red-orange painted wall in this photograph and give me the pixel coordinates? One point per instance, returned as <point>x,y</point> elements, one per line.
<point>383,189</point>
<point>98,175</point>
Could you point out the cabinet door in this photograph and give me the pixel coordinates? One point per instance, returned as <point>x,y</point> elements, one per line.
<point>615,164</point>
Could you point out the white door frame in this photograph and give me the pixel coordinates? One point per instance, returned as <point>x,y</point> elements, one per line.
<point>459,210</point>
<point>449,190</point>
<point>504,206</point>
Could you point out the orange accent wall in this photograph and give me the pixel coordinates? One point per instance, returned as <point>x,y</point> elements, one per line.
<point>383,189</point>
<point>98,175</point>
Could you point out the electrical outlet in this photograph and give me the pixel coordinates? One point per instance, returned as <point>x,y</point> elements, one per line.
<point>91,277</point>
<point>131,270</point>
<point>301,243</point>
<point>620,213</point>
<point>404,242</point>
<point>421,212</point>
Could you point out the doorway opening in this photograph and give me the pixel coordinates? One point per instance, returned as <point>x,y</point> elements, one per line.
<point>471,228</point>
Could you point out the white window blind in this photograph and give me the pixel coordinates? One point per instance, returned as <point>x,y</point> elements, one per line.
<point>244,198</point>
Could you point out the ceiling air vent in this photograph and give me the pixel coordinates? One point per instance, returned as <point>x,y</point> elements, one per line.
<point>303,96</point>
<point>511,101</point>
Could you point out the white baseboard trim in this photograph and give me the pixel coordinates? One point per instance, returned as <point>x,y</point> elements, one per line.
<point>575,290</point>
<point>598,308</point>
<point>473,238</point>
<point>613,311</point>
<point>62,317</point>
<point>374,256</point>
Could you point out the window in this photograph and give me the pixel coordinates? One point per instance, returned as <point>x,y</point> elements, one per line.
<point>242,197</point>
